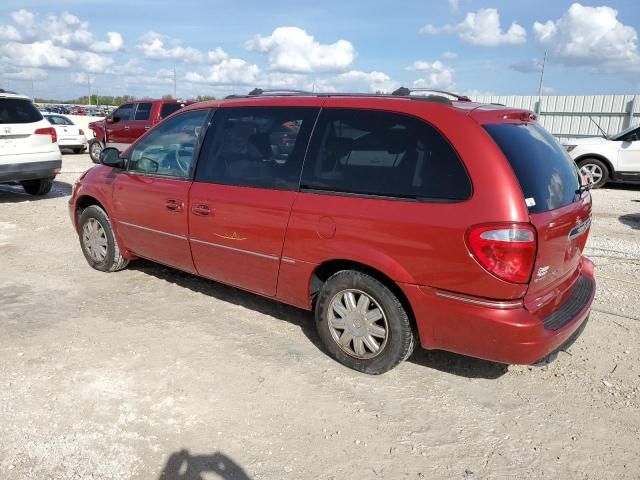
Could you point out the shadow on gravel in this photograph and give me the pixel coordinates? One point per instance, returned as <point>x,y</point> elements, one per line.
<point>445,362</point>
<point>14,193</point>
<point>622,186</point>
<point>184,466</point>
<point>631,219</point>
<point>458,365</point>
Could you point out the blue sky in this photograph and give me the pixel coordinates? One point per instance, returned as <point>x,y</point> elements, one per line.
<point>471,46</point>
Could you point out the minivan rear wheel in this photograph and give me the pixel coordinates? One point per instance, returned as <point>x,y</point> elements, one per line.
<point>98,241</point>
<point>362,324</point>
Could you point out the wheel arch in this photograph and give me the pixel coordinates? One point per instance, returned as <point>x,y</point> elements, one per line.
<point>597,156</point>
<point>326,269</point>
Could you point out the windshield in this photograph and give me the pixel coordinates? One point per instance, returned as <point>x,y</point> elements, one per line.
<point>624,132</point>
<point>548,177</point>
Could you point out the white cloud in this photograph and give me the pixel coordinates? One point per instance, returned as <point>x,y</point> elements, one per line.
<point>481,28</point>
<point>433,75</point>
<point>454,6</point>
<point>357,81</point>
<point>291,49</point>
<point>449,55</point>
<point>592,37</point>
<point>16,73</point>
<point>113,44</point>
<point>47,55</point>
<point>232,71</point>
<point>154,46</point>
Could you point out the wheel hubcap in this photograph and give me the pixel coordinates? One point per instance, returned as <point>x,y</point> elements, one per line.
<point>593,172</point>
<point>94,240</point>
<point>95,149</point>
<point>358,324</point>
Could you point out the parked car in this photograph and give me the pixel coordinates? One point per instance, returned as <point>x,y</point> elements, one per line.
<point>69,135</point>
<point>400,220</point>
<point>29,152</point>
<point>605,159</point>
<point>128,122</point>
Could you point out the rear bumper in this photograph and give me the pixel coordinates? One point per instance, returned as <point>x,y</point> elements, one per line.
<point>503,332</point>
<point>16,172</point>
<point>72,142</point>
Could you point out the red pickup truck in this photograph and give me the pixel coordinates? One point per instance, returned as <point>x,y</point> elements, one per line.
<point>128,122</point>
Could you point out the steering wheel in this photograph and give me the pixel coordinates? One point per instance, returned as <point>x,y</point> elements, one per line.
<point>183,161</point>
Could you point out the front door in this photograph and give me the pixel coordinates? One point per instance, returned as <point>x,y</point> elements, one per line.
<point>117,129</point>
<point>150,197</point>
<point>629,153</point>
<point>245,185</point>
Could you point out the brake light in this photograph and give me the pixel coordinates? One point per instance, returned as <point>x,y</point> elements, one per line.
<point>507,251</point>
<point>522,116</point>
<point>48,131</point>
<point>81,132</point>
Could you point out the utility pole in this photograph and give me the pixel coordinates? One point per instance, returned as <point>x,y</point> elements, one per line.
<point>89,87</point>
<point>174,82</point>
<point>544,62</point>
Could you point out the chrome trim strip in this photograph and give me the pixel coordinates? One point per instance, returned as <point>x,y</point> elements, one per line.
<point>140,227</point>
<point>288,260</point>
<point>580,229</point>
<point>484,303</point>
<point>240,250</point>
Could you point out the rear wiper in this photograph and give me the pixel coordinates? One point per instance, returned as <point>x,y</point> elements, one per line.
<point>584,188</point>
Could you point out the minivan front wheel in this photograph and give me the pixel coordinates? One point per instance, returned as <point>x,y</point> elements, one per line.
<point>362,324</point>
<point>98,242</point>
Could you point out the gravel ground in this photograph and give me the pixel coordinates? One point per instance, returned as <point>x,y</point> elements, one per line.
<point>150,373</point>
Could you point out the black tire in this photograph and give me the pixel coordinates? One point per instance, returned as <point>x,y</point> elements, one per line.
<point>95,147</point>
<point>598,164</point>
<point>113,260</point>
<point>78,150</point>
<point>38,187</point>
<point>400,339</point>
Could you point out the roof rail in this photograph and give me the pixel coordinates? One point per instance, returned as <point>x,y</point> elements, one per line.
<point>405,92</point>
<point>2,90</point>
<point>277,91</point>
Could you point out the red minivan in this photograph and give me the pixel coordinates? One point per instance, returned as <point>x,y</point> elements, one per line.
<point>399,219</point>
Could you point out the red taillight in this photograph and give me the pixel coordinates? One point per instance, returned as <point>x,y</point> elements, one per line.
<point>48,131</point>
<point>81,132</point>
<point>507,251</point>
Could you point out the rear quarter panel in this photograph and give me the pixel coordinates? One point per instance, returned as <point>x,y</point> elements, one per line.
<point>414,242</point>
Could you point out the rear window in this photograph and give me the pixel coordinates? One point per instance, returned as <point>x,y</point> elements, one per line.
<point>18,110</point>
<point>169,108</point>
<point>548,177</point>
<point>383,154</point>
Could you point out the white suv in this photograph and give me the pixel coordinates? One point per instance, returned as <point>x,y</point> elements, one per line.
<point>611,158</point>
<point>29,151</point>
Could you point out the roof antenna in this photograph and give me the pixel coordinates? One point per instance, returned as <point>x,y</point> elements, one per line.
<point>255,92</point>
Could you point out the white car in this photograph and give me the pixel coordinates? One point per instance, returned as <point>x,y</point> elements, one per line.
<point>29,151</point>
<point>611,158</point>
<point>69,135</point>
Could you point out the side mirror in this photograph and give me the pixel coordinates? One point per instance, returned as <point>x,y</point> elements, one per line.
<point>111,158</point>
<point>110,120</point>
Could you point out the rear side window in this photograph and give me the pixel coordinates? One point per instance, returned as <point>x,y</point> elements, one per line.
<point>143,111</point>
<point>256,147</point>
<point>169,108</point>
<point>548,177</point>
<point>383,154</point>
<point>58,120</point>
<point>18,110</point>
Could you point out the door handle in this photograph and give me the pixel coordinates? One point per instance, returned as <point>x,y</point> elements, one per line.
<point>126,127</point>
<point>173,205</point>
<point>200,209</point>
<point>147,127</point>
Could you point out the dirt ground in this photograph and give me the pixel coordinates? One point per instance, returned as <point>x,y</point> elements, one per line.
<point>150,373</point>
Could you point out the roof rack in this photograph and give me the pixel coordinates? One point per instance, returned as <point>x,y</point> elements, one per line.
<point>400,92</point>
<point>405,92</point>
<point>277,92</point>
